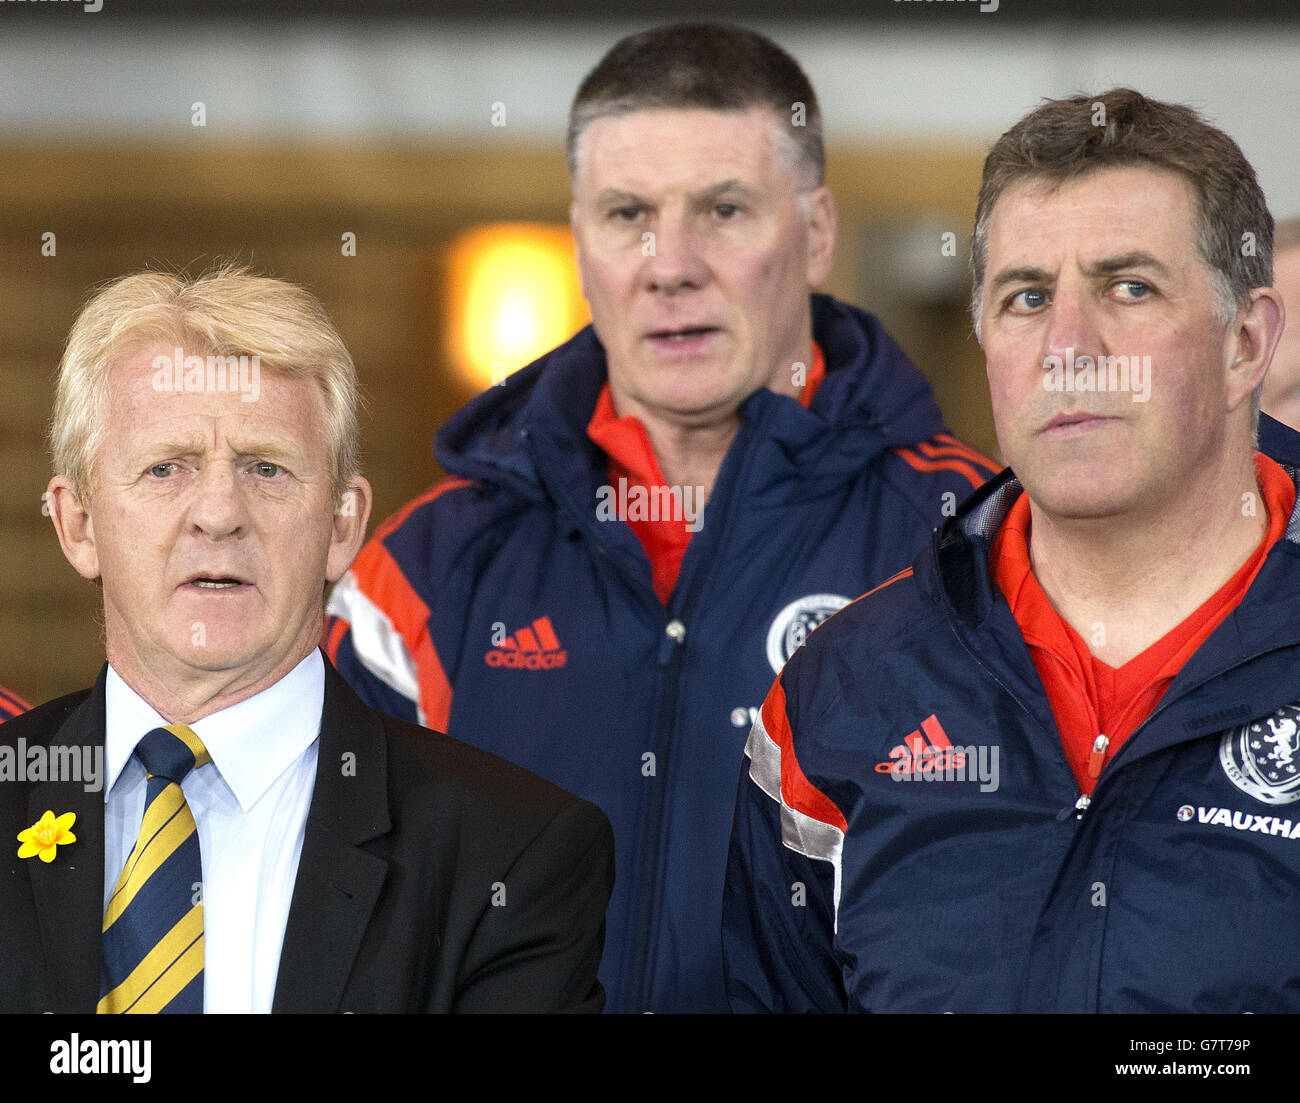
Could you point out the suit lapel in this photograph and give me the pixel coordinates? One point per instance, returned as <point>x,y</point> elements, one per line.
<point>69,891</point>
<point>338,883</point>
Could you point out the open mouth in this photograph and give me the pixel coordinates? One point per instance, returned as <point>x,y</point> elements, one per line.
<point>215,582</point>
<point>683,334</point>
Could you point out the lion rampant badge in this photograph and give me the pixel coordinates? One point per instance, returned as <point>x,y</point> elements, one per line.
<point>1262,759</point>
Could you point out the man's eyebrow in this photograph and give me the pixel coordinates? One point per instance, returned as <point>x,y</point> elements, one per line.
<point>615,196</point>
<point>732,185</point>
<point>174,446</point>
<point>1108,266</point>
<point>197,445</point>
<point>266,448</point>
<point>1024,274</point>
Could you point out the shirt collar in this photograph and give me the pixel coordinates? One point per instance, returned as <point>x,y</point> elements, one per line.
<point>251,743</point>
<point>1041,624</point>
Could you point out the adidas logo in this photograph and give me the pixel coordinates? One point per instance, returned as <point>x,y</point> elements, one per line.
<point>536,647</point>
<point>913,755</point>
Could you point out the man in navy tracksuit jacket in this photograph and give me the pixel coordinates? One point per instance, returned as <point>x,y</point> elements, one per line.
<point>527,604</point>
<point>1055,764</point>
<point>811,508</point>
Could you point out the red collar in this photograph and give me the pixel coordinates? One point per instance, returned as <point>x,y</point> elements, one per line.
<point>630,456</point>
<point>1089,698</point>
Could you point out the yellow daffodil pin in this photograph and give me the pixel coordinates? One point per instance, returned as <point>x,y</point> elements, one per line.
<point>46,835</point>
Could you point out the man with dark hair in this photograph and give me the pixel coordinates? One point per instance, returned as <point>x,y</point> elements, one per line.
<point>565,599</point>
<point>1054,765</point>
<point>1281,398</point>
<point>713,67</point>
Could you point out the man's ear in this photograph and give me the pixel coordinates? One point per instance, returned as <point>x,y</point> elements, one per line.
<point>1253,338</point>
<point>821,235</point>
<point>75,529</point>
<point>348,532</point>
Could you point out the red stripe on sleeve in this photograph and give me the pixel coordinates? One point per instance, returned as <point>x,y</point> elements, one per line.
<point>797,792</point>
<point>12,702</point>
<point>381,580</point>
<point>971,453</point>
<point>904,573</point>
<point>975,478</point>
<point>12,698</point>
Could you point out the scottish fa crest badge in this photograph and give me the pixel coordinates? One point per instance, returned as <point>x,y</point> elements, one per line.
<point>795,623</point>
<point>1262,759</point>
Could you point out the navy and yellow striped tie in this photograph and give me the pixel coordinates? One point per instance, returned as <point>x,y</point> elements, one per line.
<point>153,926</point>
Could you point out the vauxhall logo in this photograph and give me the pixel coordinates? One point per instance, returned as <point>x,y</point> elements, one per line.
<point>1241,821</point>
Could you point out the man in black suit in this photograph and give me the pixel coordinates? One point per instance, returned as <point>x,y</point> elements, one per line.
<point>220,824</point>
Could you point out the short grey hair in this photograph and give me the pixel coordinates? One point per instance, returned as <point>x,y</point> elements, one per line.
<point>709,66</point>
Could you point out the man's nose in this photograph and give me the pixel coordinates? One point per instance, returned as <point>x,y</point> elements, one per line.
<point>218,508</point>
<point>674,255</point>
<point>1073,323</point>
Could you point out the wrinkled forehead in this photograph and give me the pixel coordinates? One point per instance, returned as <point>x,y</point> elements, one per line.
<point>160,391</point>
<point>1105,211</point>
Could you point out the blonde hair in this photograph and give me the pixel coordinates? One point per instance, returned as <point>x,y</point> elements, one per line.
<point>227,312</point>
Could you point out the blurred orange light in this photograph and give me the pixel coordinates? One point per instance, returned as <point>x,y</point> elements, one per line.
<point>513,294</point>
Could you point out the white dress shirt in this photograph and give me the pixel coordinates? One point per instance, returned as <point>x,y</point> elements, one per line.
<point>250,806</point>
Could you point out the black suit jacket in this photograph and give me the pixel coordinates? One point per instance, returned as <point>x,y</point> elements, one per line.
<point>433,876</point>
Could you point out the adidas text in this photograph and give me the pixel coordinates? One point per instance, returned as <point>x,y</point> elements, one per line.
<point>932,757</point>
<point>532,660</point>
<point>534,647</point>
<point>951,764</point>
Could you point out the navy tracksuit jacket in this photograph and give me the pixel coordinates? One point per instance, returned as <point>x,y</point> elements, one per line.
<point>500,607</point>
<point>856,882</point>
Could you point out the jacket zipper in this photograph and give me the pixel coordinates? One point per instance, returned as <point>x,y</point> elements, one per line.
<point>671,649</point>
<point>1101,744</point>
<point>645,902</point>
<point>1166,703</point>
<point>1097,759</point>
<point>1084,801</point>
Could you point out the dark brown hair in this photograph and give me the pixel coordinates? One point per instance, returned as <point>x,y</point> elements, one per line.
<point>1064,139</point>
<point>702,65</point>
